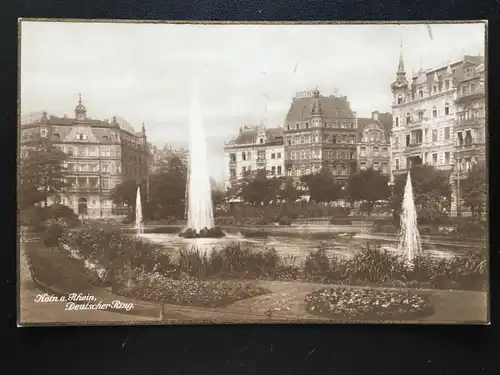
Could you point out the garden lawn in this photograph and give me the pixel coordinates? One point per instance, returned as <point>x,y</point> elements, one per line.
<point>54,268</point>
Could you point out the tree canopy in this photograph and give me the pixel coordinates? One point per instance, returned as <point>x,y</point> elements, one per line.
<point>42,172</point>
<point>474,189</point>
<point>368,185</point>
<point>432,191</point>
<point>322,186</point>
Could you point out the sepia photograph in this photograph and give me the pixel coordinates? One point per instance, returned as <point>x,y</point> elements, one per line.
<point>266,173</point>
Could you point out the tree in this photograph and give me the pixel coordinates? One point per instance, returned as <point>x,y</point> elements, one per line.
<point>474,192</point>
<point>368,185</point>
<point>288,191</point>
<point>255,188</point>
<point>431,189</point>
<point>42,172</point>
<point>126,193</point>
<point>322,186</point>
<point>168,189</point>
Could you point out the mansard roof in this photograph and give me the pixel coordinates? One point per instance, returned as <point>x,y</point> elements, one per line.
<point>331,107</point>
<point>249,135</point>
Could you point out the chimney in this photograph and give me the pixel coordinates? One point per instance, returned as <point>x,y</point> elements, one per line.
<point>375,115</point>
<point>114,119</point>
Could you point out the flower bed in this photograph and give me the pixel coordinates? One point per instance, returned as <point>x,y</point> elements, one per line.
<point>190,291</point>
<point>367,304</point>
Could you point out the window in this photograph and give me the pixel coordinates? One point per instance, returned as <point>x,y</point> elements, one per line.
<point>446,109</point>
<point>243,156</point>
<point>118,167</point>
<point>307,125</point>
<point>447,157</point>
<point>446,85</point>
<point>105,151</point>
<point>279,169</point>
<point>232,158</point>
<point>243,171</point>
<point>362,151</point>
<point>397,121</point>
<point>420,115</point>
<point>289,141</point>
<point>43,133</point>
<point>434,159</point>
<point>261,141</point>
<point>397,164</point>
<point>375,151</point>
<point>70,151</point>
<point>447,133</point>
<point>104,167</point>
<point>400,99</point>
<point>273,156</point>
<point>460,139</point>
<point>273,170</point>
<point>279,155</point>
<point>468,138</point>
<point>472,88</point>
<point>288,127</point>
<point>434,89</point>
<point>434,135</point>
<point>232,172</point>
<point>420,93</point>
<point>408,140</point>
<point>434,112</point>
<point>105,138</point>
<point>297,126</point>
<point>81,151</point>
<point>334,139</point>
<point>408,119</point>
<point>105,183</point>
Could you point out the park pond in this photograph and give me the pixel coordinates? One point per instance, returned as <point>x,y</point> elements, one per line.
<point>295,245</point>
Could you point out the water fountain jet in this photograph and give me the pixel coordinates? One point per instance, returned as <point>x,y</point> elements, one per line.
<point>409,236</point>
<point>200,216</point>
<point>139,224</point>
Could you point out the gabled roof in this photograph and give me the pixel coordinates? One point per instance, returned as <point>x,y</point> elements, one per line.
<point>331,107</point>
<point>384,120</point>
<point>250,136</point>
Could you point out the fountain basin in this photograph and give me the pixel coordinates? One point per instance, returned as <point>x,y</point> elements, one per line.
<point>214,232</point>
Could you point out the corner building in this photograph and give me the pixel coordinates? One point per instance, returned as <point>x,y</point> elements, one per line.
<point>254,148</point>
<point>320,132</point>
<point>101,154</point>
<point>424,113</point>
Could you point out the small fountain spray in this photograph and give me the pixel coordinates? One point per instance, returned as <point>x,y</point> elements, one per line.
<point>139,225</point>
<point>409,237</point>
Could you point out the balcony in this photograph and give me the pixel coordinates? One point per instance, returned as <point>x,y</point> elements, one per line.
<point>84,188</point>
<point>471,121</point>
<point>478,94</point>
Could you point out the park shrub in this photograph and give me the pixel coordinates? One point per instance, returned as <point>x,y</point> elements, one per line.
<point>32,216</point>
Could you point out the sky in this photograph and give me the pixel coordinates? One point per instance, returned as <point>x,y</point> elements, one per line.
<point>247,74</point>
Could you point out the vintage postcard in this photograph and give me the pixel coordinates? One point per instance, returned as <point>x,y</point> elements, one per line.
<point>190,173</point>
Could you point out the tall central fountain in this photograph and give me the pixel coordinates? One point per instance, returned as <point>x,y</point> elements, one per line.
<point>409,240</point>
<point>200,216</point>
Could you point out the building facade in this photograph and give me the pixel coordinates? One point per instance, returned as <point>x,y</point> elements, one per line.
<point>373,149</point>
<point>158,156</point>
<point>254,148</point>
<point>101,154</point>
<point>470,125</point>
<point>424,115</point>
<point>320,132</point>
